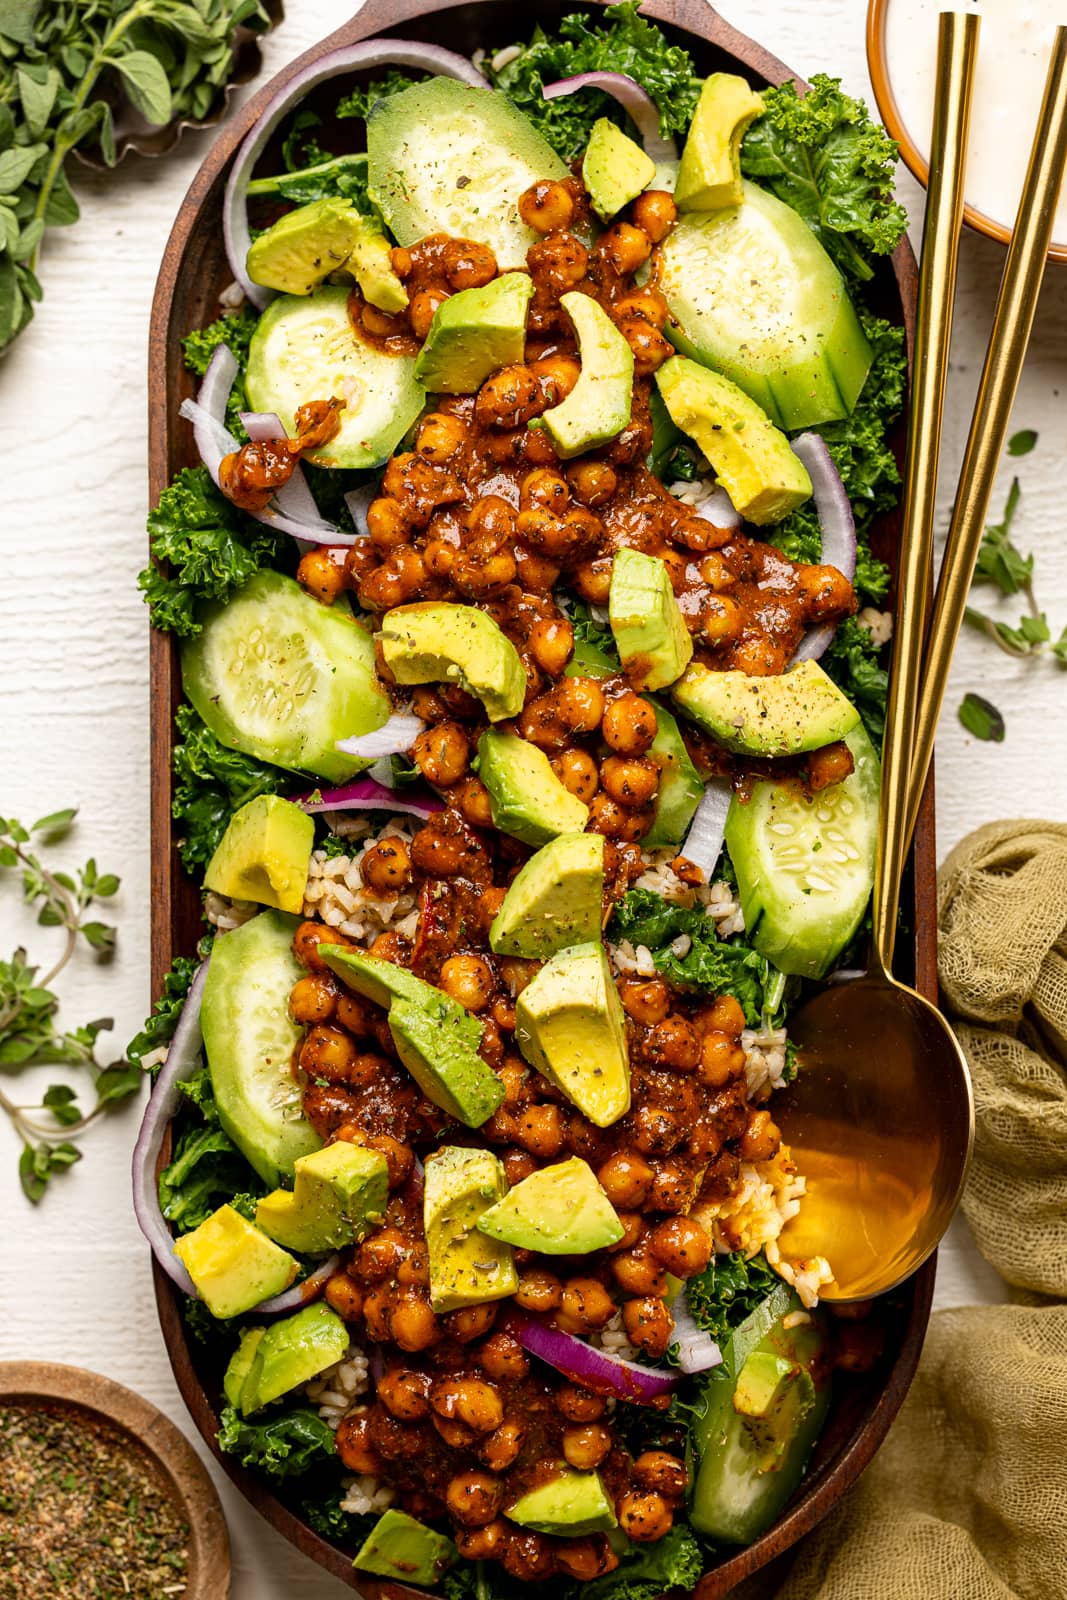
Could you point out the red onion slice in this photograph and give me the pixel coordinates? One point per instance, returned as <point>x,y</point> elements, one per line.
<point>697,1350</point>
<point>294,499</point>
<point>364,794</point>
<point>262,425</point>
<point>301,1293</point>
<point>635,101</point>
<point>358,503</point>
<point>391,739</point>
<point>837,524</point>
<point>354,58</point>
<point>598,1370</point>
<point>719,509</point>
<point>703,843</point>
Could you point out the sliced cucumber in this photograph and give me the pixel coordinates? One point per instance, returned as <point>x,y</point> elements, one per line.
<point>753,294</point>
<point>249,1040</point>
<point>445,158</point>
<point>281,677</point>
<point>305,348</point>
<point>805,867</point>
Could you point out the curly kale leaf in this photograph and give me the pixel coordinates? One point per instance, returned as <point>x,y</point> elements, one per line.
<point>853,660</point>
<point>822,154</point>
<point>365,96</point>
<point>628,43</point>
<point>206,1172</point>
<point>159,1027</point>
<point>211,782</point>
<point>674,1562</point>
<point>728,1290</point>
<point>285,1445</point>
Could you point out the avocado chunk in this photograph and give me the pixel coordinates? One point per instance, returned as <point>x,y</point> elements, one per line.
<point>755,1438</point>
<point>371,264</point>
<point>526,798</point>
<point>292,1352</point>
<point>473,333</point>
<point>571,1504</point>
<point>249,1040</point>
<point>466,1268</point>
<point>435,642</point>
<point>598,407</point>
<point>383,982</point>
<point>432,1045</point>
<point>803,709</point>
<point>569,1024</point>
<point>232,1264</point>
<point>710,172</point>
<point>555,899</point>
<point>339,1193</point>
<point>753,459</point>
<point>400,1547</point>
<point>681,788</point>
<point>752,293</point>
<point>649,629</point>
<point>240,1364</point>
<point>302,248</point>
<point>614,169</point>
<point>264,854</point>
<point>560,1211</point>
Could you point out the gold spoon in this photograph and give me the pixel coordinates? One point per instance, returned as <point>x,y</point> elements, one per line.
<point>881,1114</point>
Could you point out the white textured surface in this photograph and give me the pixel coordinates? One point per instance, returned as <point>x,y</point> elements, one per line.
<point>73,664</point>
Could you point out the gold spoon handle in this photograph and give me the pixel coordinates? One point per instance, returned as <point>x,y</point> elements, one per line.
<point>1012,324</point>
<point>957,49</point>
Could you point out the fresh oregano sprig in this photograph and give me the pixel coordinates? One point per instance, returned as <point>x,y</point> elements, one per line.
<point>1002,565</point>
<point>29,1035</point>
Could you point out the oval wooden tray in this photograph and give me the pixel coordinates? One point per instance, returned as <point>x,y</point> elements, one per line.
<point>193,272</point>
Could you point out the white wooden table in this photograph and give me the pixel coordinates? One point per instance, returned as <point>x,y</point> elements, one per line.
<point>74,727</point>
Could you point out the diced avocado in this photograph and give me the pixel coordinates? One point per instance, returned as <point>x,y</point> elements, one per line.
<point>803,709</point>
<point>291,1352</point>
<point>649,629</point>
<point>761,1421</point>
<point>560,1211</point>
<point>435,642</point>
<point>710,172</point>
<point>571,1504</point>
<point>753,459</point>
<point>241,1364</point>
<point>805,867</point>
<point>250,1039</point>
<point>554,900</point>
<point>433,1046</point>
<point>371,264</point>
<point>264,854</point>
<point>526,798</point>
<point>232,1264</point>
<point>473,333</point>
<point>383,982</point>
<point>281,677</point>
<point>752,293</point>
<point>401,1548</point>
<point>307,349</point>
<point>339,1194</point>
<point>445,158</point>
<point>569,1024</point>
<point>598,407</point>
<point>680,786</point>
<point>304,246</point>
<point>614,169</point>
<point>466,1268</point>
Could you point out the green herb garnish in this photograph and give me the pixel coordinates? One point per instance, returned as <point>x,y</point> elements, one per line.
<point>981,718</point>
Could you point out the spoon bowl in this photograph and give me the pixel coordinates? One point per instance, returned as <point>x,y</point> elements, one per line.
<point>881,1118</point>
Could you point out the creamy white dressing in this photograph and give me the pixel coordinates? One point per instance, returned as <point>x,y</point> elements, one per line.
<point>1013,54</point>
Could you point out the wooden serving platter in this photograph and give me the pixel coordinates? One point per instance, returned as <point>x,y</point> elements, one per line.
<point>193,272</point>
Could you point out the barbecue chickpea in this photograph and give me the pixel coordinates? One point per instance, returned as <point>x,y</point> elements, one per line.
<point>606,816</point>
<point>832,764</point>
<point>405,1394</point>
<point>442,754</point>
<point>558,262</point>
<point>632,783</point>
<point>593,580</point>
<point>354,1446</point>
<point>557,375</point>
<point>390,947</point>
<point>586,1559</point>
<point>440,436</point>
<point>482,1544</point>
<point>469,980</point>
<point>721,619</point>
<point>721,1058</point>
<point>585,1446</point>
<point>509,398</point>
<point>518,1164</point>
<point>650,349</point>
<point>474,1498</point>
<point>761,1138</point>
<point>580,704</point>
<point>320,575</point>
<point>412,1323</point>
<point>592,482</point>
<point>539,1290</point>
<point>551,643</point>
<point>517,973</point>
<point>625,1178</point>
<point>546,490</point>
<point>586,1140</point>
<point>470,1322</point>
<point>328,1053</point>
<point>674,1043</point>
<point>528,1556</point>
<point>344,1296</point>
<point>647,304</point>
<point>546,207</point>
<point>539,1129</point>
<point>368,1067</point>
<point>825,591</point>
<point>380,1255</point>
<point>644,1516</point>
<point>586,1304</point>
<point>503,1445</point>
<point>472,1401</point>
<point>629,725</point>
<point>577,771</point>
<point>467,264</point>
<point>536,573</point>
<point>422,308</point>
<point>386,867</point>
<point>637,1272</point>
<point>656,1130</point>
<point>387,524</point>
<point>313,999</point>
<point>681,1245</point>
<point>502,1356</point>
<point>579,1405</point>
<point>671,1188</point>
<point>634,1229</point>
<point>654,212</point>
<point>624,247</point>
<point>398,579</point>
<point>376,1308</point>
<point>646,1000</point>
<point>306,941</point>
<point>759,656</point>
<point>662,1473</point>
<point>648,1324</point>
<point>472,798</point>
<point>724,1015</point>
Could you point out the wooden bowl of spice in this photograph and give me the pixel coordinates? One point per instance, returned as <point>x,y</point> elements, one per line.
<point>101,1494</point>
